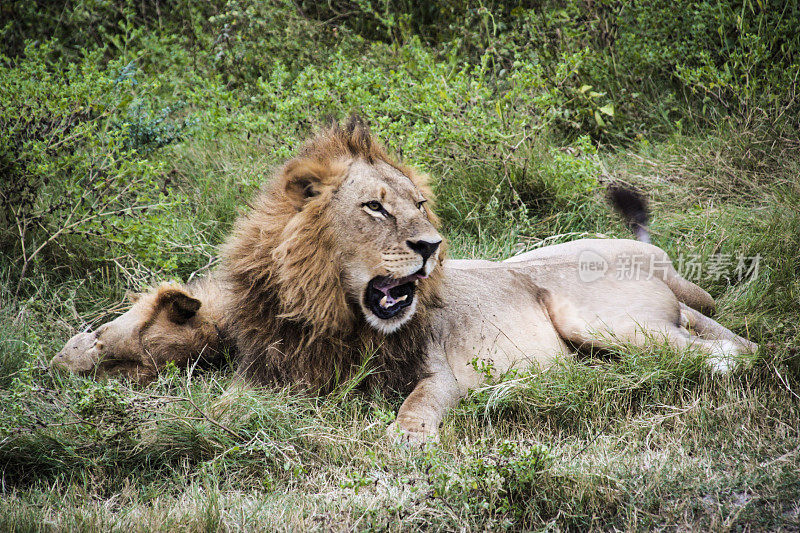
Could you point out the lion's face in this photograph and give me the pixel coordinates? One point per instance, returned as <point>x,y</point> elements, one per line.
<point>161,326</point>
<point>388,245</point>
<point>368,227</point>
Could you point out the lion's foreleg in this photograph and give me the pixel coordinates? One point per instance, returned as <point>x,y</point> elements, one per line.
<point>422,412</point>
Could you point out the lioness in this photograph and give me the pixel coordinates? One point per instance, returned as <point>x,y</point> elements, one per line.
<point>171,323</point>
<point>339,259</point>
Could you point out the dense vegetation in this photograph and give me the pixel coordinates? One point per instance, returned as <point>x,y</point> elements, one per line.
<point>132,133</point>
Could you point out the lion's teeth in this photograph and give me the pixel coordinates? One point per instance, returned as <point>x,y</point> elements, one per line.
<point>385,303</point>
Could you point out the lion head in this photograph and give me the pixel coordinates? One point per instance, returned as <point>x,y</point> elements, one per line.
<point>339,251</point>
<point>165,324</point>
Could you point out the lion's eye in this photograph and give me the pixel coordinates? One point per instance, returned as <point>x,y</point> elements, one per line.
<point>374,206</point>
<point>420,204</point>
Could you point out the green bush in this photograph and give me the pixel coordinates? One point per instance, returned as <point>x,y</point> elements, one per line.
<point>77,188</point>
<point>725,59</point>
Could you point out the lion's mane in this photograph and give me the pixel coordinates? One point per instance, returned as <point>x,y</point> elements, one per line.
<point>289,314</point>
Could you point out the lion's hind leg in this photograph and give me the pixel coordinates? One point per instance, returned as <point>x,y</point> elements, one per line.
<point>722,351</point>
<point>723,354</point>
<point>708,328</point>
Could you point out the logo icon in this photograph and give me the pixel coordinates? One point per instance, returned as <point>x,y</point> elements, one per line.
<point>591,266</point>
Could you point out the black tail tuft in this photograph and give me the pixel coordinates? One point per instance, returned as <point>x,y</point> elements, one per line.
<point>632,205</point>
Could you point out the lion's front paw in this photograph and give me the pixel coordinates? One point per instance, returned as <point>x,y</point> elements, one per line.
<point>412,431</point>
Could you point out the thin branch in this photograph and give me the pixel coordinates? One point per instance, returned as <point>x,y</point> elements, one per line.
<point>213,261</point>
<point>68,227</point>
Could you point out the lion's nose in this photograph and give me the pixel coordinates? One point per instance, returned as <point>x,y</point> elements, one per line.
<point>424,248</point>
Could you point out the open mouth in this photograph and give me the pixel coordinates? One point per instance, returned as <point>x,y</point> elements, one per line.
<point>386,296</point>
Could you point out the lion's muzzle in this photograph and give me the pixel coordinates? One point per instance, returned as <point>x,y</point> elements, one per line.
<point>424,248</point>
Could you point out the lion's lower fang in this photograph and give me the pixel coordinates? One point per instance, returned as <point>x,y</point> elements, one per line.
<point>388,301</point>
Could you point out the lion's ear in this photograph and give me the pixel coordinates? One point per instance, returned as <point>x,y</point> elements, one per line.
<point>305,179</point>
<point>180,307</point>
<point>300,188</point>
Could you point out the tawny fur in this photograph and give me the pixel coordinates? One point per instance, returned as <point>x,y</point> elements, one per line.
<point>342,222</point>
<point>303,263</point>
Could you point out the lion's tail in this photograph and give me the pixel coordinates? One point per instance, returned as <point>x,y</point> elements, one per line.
<point>632,205</point>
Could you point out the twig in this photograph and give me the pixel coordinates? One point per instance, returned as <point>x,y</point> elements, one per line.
<point>784,382</point>
<point>223,427</point>
<point>213,261</point>
<point>602,430</point>
<point>781,458</point>
<point>68,227</point>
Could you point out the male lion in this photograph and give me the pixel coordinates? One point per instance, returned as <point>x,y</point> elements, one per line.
<point>339,260</point>
<point>171,323</point>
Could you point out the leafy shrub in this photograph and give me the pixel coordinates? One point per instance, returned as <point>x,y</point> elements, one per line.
<point>253,36</point>
<point>75,183</point>
<point>642,59</point>
<point>116,25</point>
<point>146,129</point>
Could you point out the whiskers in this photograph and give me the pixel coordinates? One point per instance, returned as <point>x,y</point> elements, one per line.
<point>400,263</point>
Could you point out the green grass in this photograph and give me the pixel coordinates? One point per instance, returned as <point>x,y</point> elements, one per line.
<point>650,441</point>
<point>495,106</point>
<point>647,440</point>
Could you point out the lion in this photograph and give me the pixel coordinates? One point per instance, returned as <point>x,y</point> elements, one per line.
<point>171,323</point>
<point>338,267</point>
